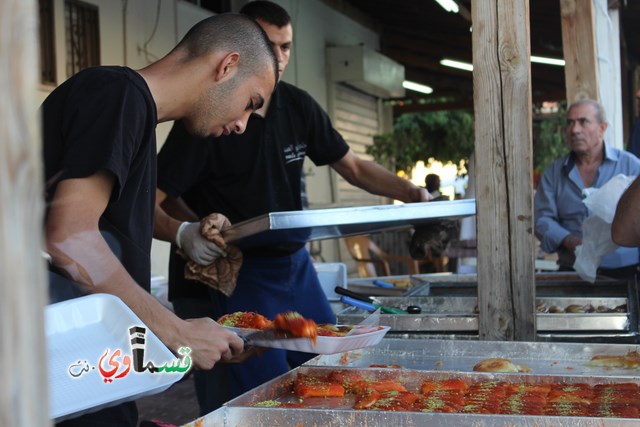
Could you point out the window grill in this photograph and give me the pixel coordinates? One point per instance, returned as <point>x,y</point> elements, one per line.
<point>47,43</point>
<point>82,36</point>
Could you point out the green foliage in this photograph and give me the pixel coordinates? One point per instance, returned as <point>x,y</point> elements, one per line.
<point>548,139</point>
<point>448,136</point>
<point>443,135</point>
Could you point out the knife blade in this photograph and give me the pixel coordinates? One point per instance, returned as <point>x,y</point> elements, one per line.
<point>264,335</point>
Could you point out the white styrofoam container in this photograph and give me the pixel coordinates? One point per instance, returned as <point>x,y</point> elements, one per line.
<point>331,274</point>
<point>79,332</point>
<point>361,337</point>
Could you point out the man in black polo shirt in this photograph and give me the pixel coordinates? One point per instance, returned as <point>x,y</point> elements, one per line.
<point>100,168</point>
<point>244,176</point>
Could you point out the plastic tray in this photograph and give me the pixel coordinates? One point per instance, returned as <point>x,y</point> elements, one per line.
<point>324,345</point>
<point>78,334</point>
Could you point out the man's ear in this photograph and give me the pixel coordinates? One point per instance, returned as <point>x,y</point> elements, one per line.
<point>227,65</point>
<point>604,126</point>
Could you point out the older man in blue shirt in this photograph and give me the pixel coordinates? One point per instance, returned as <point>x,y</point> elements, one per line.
<point>559,211</point>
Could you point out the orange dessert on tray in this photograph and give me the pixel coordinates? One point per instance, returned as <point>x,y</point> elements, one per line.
<point>245,319</point>
<point>313,386</point>
<point>295,325</point>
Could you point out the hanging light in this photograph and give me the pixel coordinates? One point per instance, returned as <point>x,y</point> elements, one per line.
<point>417,87</point>
<point>449,5</point>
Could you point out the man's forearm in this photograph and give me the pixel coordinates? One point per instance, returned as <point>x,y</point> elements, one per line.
<point>169,214</point>
<point>375,179</point>
<point>165,227</point>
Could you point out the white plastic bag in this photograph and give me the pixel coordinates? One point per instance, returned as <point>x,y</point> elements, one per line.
<point>596,228</point>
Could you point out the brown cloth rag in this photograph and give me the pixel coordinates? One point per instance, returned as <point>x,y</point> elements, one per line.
<point>222,274</point>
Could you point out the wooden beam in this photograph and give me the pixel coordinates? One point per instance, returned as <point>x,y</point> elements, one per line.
<point>23,389</point>
<point>504,171</point>
<point>579,47</point>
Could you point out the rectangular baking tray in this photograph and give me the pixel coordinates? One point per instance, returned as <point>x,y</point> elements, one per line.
<point>246,416</point>
<point>237,412</point>
<point>553,358</point>
<point>316,224</point>
<point>78,333</point>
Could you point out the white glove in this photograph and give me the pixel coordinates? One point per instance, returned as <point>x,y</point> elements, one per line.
<point>198,248</point>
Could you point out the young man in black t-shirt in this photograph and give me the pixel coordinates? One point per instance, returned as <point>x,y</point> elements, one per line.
<point>100,169</point>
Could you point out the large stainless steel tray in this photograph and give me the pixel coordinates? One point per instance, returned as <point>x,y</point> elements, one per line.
<point>459,313</point>
<point>338,412</point>
<point>316,224</point>
<point>461,355</point>
<point>243,416</point>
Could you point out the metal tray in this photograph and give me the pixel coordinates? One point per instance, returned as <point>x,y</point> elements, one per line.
<point>337,412</point>
<point>241,416</point>
<point>459,313</point>
<point>461,355</point>
<point>317,224</point>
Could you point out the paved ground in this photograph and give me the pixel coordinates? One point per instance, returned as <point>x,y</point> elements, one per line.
<point>176,405</point>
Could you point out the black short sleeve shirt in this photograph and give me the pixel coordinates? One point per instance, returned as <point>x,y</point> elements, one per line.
<point>259,171</point>
<point>104,118</point>
<point>247,175</point>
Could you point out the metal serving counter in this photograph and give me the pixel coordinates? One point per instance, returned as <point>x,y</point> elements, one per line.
<point>447,314</point>
<point>568,309</point>
<point>316,224</point>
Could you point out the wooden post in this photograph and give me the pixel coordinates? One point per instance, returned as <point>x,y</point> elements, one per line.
<point>504,169</point>
<point>24,388</point>
<point>579,48</point>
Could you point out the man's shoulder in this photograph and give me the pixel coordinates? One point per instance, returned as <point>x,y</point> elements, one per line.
<point>105,73</point>
<point>630,158</point>
<point>622,161</point>
<point>106,80</point>
<point>292,92</point>
<point>618,153</point>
